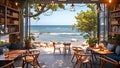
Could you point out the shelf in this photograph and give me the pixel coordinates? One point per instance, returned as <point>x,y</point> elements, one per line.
<point>12,24</point>
<point>14,32</point>
<point>2,5</point>
<point>118,10</point>
<point>1,15</point>
<point>114,32</point>
<point>12,17</point>
<point>13,9</point>
<point>115,16</point>
<point>9,21</point>
<point>115,24</point>
<point>1,23</point>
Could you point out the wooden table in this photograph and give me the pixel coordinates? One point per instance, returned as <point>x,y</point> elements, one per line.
<point>101,52</point>
<point>11,55</point>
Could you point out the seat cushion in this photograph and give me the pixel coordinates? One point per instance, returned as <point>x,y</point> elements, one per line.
<point>1,50</point>
<point>114,56</point>
<point>110,47</point>
<point>117,50</point>
<point>15,46</point>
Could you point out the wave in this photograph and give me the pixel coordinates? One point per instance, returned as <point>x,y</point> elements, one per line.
<point>64,33</point>
<point>52,33</point>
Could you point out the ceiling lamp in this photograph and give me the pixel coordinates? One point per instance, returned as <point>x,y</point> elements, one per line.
<point>110,1</point>
<point>40,7</point>
<point>16,3</point>
<point>72,7</point>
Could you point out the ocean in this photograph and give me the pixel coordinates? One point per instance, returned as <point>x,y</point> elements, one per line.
<point>59,33</point>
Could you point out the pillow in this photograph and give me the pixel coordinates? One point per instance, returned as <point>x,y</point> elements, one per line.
<point>117,50</point>
<point>15,46</point>
<point>1,50</point>
<point>110,47</point>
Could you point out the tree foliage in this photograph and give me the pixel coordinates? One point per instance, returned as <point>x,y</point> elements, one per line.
<point>35,4</point>
<point>87,21</point>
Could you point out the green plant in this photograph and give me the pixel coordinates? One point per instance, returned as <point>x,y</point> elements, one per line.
<point>29,38</point>
<point>87,24</point>
<point>92,40</point>
<point>114,39</point>
<point>111,39</point>
<point>117,39</point>
<point>1,42</point>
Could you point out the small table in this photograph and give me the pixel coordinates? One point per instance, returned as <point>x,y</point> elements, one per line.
<point>11,55</point>
<point>101,52</point>
<point>67,47</point>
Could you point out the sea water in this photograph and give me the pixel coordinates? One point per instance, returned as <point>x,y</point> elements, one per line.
<point>60,33</point>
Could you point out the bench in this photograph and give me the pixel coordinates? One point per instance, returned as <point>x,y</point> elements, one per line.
<point>113,58</point>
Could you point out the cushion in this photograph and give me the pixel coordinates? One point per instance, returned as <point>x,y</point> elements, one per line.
<point>1,50</point>
<point>117,50</point>
<point>15,46</point>
<point>110,47</point>
<point>114,56</point>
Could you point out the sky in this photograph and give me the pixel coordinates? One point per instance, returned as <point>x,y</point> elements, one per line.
<point>61,16</point>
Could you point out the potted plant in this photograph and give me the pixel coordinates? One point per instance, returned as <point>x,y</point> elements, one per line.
<point>92,41</point>
<point>117,39</point>
<point>28,40</point>
<point>111,39</point>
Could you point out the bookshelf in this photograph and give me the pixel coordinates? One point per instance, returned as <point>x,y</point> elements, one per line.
<point>115,20</point>
<point>9,20</point>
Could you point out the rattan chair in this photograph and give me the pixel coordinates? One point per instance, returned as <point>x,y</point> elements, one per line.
<point>105,59</point>
<point>83,60</point>
<point>31,58</point>
<point>76,49</point>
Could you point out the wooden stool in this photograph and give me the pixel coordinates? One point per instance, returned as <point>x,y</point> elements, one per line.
<point>67,48</point>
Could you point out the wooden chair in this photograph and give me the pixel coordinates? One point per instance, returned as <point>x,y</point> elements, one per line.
<point>56,47</point>
<point>31,58</point>
<point>8,65</point>
<point>76,49</point>
<point>104,59</point>
<point>83,59</point>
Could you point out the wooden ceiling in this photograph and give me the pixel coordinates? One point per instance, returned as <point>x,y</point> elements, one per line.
<point>68,1</point>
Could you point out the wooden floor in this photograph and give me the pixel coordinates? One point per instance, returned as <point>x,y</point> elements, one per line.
<point>58,61</point>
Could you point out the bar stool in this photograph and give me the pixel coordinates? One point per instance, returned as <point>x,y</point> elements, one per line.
<point>67,48</point>
<point>56,47</point>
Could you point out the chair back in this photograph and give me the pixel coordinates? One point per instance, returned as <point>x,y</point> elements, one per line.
<point>35,53</point>
<point>54,44</point>
<point>8,65</point>
<point>83,57</point>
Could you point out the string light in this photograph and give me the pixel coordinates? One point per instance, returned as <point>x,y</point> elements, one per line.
<point>72,7</point>
<point>40,7</point>
<point>110,1</point>
<point>16,3</point>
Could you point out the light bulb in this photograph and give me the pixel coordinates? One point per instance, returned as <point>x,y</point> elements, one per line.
<point>72,7</point>
<point>110,1</point>
<point>16,3</point>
